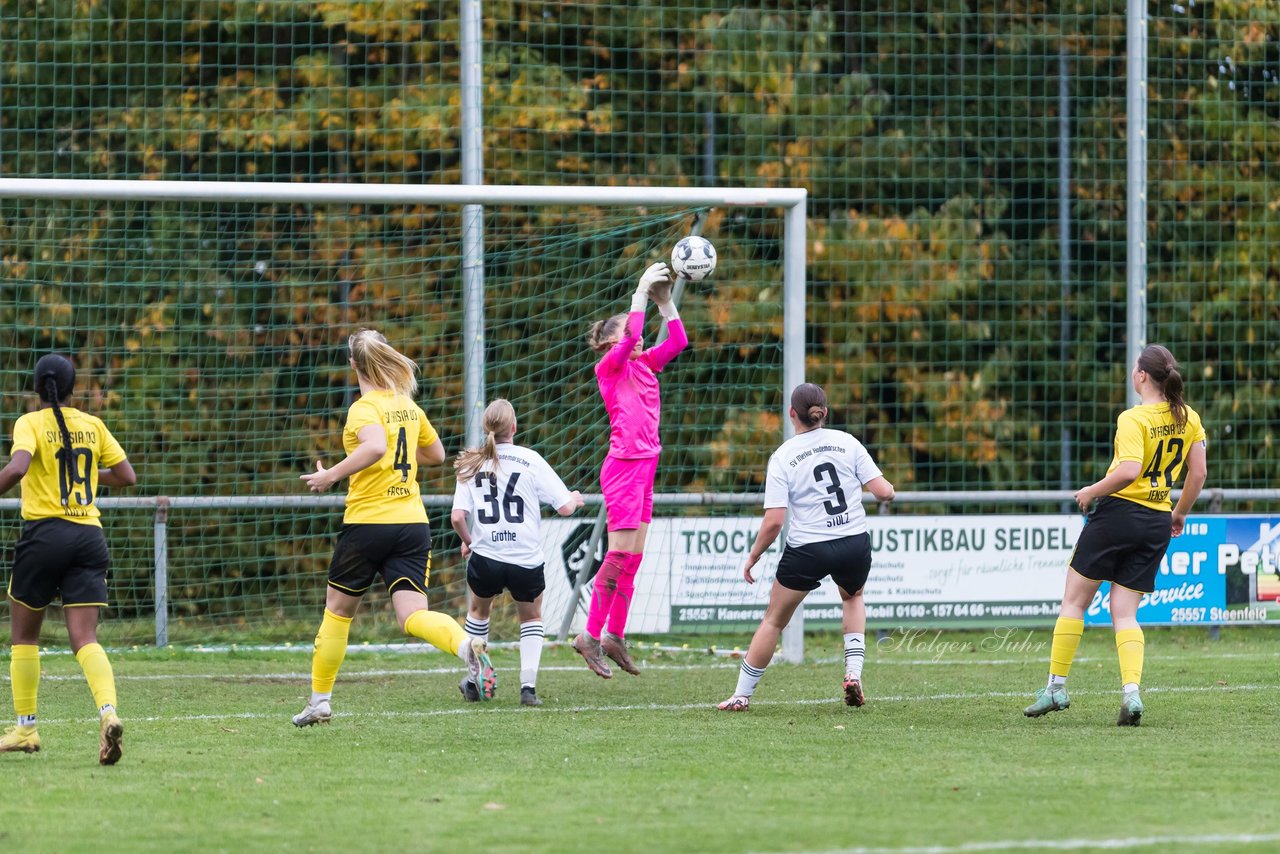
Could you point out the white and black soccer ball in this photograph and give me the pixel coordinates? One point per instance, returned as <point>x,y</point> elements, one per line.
<point>693,258</point>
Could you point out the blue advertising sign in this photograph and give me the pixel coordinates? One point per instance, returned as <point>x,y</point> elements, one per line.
<point>1214,555</point>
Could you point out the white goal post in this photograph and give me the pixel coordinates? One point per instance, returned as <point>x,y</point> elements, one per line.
<point>792,201</point>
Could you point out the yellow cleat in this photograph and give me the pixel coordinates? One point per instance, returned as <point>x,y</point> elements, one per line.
<point>20,739</point>
<point>109,741</point>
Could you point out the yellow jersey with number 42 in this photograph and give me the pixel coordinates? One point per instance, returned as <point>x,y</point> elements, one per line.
<point>58,485</point>
<point>387,493</point>
<point>1148,435</point>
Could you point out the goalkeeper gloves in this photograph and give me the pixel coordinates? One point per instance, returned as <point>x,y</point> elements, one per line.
<point>656,273</point>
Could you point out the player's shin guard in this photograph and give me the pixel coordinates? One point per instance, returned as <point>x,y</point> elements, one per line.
<point>621,605</point>
<point>97,670</point>
<point>24,671</point>
<point>1066,638</point>
<point>439,630</point>
<point>330,650</point>
<point>603,592</point>
<point>531,637</point>
<point>1130,647</point>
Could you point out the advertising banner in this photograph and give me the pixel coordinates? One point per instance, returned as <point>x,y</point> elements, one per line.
<point>934,571</point>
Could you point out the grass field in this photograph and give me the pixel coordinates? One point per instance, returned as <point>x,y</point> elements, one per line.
<point>940,759</point>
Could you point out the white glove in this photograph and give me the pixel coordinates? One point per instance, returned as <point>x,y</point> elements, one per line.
<point>668,310</point>
<point>656,273</point>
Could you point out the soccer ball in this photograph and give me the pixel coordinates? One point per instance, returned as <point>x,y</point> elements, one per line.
<point>693,258</point>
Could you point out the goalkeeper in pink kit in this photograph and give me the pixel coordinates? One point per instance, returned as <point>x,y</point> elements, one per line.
<point>628,378</point>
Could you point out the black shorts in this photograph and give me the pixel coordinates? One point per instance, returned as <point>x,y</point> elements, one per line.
<point>401,553</point>
<point>55,557</point>
<point>1123,543</point>
<point>488,577</point>
<point>847,560</point>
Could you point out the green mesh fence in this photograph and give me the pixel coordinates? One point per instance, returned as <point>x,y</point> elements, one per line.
<point>966,258</point>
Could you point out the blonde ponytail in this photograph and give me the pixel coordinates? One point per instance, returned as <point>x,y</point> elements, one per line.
<point>381,364</point>
<point>499,423</point>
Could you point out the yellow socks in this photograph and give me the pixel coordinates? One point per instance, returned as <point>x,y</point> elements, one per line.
<point>331,648</point>
<point>439,630</point>
<point>24,670</point>
<point>1130,646</point>
<point>97,669</point>
<point>1066,637</point>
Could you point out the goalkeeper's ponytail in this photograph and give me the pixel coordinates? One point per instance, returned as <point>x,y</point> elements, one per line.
<point>499,426</point>
<point>605,333</point>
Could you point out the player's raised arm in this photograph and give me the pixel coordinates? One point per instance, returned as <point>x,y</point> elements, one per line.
<point>677,337</point>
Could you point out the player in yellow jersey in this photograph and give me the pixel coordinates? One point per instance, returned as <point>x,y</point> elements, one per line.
<point>384,530</point>
<point>1129,524</point>
<point>61,455</point>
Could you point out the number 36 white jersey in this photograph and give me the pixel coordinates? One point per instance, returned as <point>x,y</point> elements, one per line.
<point>505,507</point>
<point>818,477</point>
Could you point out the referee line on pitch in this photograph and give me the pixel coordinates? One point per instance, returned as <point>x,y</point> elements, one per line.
<point>1117,843</point>
<point>487,709</point>
<point>565,668</point>
<point>731,664</point>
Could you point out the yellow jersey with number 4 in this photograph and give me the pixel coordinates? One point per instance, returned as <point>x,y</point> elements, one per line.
<point>386,493</point>
<point>58,485</point>
<point>1147,434</point>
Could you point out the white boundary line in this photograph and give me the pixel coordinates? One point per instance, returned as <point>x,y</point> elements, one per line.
<point>473,708</point>
<point>730,658</point>
<point>1072,844</point>
<point>546,668</point>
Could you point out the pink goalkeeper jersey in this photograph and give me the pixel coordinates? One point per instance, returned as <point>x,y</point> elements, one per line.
<point>630,389</point>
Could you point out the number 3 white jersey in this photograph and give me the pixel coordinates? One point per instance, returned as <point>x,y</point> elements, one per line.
<point>818,477</point>
<point>504,507</point>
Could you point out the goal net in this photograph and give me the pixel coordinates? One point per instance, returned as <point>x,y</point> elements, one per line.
<point>210,337</point>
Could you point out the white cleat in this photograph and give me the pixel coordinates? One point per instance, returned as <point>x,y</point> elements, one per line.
<point>313,714</point>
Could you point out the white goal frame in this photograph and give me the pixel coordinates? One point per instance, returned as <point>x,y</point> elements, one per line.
<point>793,201</point>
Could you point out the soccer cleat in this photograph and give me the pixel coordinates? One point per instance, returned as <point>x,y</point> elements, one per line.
<point>110,734</point>
<point>529,696</point>
<point>476,654</point>
<point>470,692</point>
<point>616,648</point>
<point>735,704</point>
<point>1130,710</point>
<point>313,714</point>
<point>20,739</point>
<point>853,695</point>
<point>589,648</point>
<point>1048,699</point>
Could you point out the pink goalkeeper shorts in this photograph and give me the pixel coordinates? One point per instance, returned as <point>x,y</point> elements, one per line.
<point>628,491</point>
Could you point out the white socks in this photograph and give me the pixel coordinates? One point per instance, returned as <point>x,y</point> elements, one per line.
<point>531,635</point>
<point>748,678</point>
<point>855,653</point>
<point>477,628</point>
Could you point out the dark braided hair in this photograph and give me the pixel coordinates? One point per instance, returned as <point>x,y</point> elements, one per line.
<point>1163,369</point>
<point>55,380</point>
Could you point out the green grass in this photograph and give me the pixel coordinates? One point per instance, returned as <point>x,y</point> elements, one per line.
<point>941,755</point>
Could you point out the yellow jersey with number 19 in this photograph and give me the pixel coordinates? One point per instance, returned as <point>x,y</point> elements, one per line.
<point>1147,434</point>
<point>387,493</point>
<point>53,476</point>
